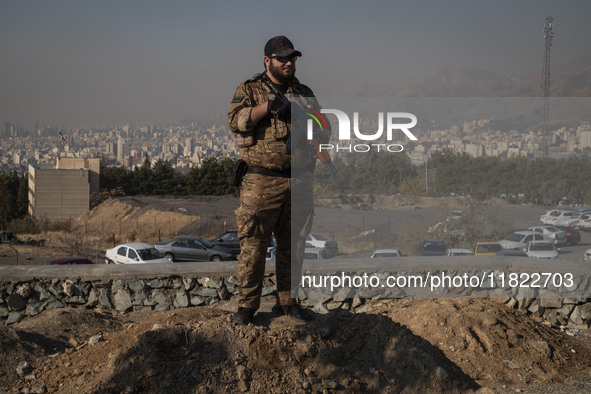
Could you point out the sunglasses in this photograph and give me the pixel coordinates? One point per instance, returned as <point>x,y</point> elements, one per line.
<point>284,59</point>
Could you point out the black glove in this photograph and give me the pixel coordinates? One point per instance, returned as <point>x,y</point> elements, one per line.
<point>280,108</point>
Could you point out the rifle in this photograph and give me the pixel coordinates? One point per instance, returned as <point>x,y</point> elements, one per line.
<point>294,138</point>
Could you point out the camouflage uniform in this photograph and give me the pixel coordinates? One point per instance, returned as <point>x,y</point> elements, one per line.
<point>265,201</point>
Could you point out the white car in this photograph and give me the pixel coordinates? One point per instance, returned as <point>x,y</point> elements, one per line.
<point>585,221</point>
<point>459,252</point>
<point>588,254</point>
<point>549,216</point>
<point>318,241</point>
<point>134,253</point>
<point>541,250</point>
<point>567,218</point>
<point>381,253</point>
<point>552,233</point>
<point>519,239</point>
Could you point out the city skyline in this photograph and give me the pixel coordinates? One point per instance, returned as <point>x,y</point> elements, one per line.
<point>76,64</point>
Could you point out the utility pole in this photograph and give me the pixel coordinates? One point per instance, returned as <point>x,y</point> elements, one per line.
<point>545,85</point>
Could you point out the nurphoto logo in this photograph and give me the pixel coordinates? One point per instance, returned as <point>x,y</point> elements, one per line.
<point>391,119</point>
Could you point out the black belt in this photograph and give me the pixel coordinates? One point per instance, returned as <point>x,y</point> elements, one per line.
<point>267,171</point>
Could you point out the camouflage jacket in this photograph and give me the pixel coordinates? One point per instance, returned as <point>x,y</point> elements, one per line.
<point>270,134</point>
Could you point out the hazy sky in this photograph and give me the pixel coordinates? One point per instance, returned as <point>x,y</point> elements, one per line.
<point>79,62</point>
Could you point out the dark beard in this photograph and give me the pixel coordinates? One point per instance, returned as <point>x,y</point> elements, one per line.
<point>276,73</point>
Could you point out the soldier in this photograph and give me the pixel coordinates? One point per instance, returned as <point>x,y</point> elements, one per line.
<point>260,117</point>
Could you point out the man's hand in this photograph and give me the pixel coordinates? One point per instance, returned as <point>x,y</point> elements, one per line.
<point>279,108</point>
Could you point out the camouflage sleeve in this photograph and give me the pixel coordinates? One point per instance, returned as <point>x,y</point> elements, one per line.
<point>240,108</point>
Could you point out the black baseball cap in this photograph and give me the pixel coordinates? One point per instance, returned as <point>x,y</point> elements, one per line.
<point>280,46</point>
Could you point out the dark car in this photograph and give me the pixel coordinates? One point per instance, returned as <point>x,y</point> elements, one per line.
<point>69,261</point>
<point>573,237</point>
<point>431,247</point>
<point>193,249</point>
<point>228,240</point>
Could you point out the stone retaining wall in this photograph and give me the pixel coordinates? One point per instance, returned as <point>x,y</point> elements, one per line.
<point>22,298</point>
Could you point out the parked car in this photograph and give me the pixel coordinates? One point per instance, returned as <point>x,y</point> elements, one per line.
<point>541,250</point>
<point>512,253</point>
<point>585,221</point>
<point>72,260</point>
<point>573,237</point>
<point>459,252</point>
<point>550,216</point>
<point>228,240</point>
<point>318,241</point>
<point>385,253</point>
<point>315,254</point>
<point>588,254</point>
<point>519,239</point>
<point>487,248</point>
<point>552,233</point>
<point>188,248</point>
<point>134,253</point>
<point>567,218</point>
<point>431,247</point>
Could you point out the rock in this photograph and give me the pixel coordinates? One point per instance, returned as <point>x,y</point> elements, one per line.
<point>52,303</point>
<point>3,311</point>
<point>156,283</point>
<point>342,294</point>
<point>205,292</point>
<point>24,290</point>
<point>96,339</point>
<point>23,368</point>
<point>16,302</point>
<point>181,300</point>
<point>122,300</point>
<point>118,285</point>
<point>357,302</point>
<point>104,299</point>
<point>42,293</point>
<point>582,314</point>
<point>139,298</point>
<point>92,300</point>
<point>188,283</point>
<point>488,320</point>
<point>197,301</point>
<point>512,303</point>
<point>332,305</point>
<point>34,309</point>
<point>551,302</point>
<point>542,347</point>
<point>209,283</point>
<point>512,365</point>
<point>536,309</point>
<point>137,286</point>
<point>320,309</point>
<point>14,317</point>
<point>268,290</point>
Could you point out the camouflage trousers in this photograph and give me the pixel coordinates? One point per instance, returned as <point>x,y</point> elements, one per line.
<point>266,208</point>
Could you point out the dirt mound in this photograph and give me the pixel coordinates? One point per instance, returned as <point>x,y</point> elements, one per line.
<point>493,344</point>
<point>199,350</point>
<point>406,345</point>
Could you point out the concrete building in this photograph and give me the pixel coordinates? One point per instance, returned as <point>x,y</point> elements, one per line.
<point>64,192</point>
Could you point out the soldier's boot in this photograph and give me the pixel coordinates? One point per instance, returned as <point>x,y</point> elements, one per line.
<point>278,309</point>
<point>297,313</point>
<point>243,316</point>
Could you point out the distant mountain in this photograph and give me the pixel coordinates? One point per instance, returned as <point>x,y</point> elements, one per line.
<point>570,80</point>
